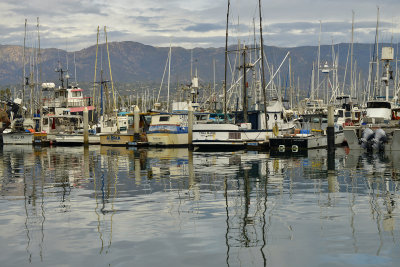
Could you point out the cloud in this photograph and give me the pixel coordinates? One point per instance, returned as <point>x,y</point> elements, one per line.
<point>192,23</point>
<point>204,27</point>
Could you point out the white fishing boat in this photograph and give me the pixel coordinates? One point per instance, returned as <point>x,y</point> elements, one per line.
<point>253,133</point>
<point>128,137</point>
<point>168,129</point>
<point>20,132</point>
<point>379,129</point>
<point>17,138</point>
<point>309,134</point>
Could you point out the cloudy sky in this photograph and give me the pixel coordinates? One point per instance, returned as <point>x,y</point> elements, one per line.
<point>72,24</point>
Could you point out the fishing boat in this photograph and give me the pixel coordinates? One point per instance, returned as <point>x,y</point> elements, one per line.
<point>309,134</point>
<point>168,129</point>
<point>380,128</point>
<point>241,134</point>
<point>129,137</point>
<point>20,132</point>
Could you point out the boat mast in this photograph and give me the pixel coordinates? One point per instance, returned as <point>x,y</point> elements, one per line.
<point>40,70</point>
<point>109,66</point>
<point>169,74</point>
<point>76,83</point>
<point>319,56</point>
<point>352,93</point>
<point>95,70</point>
<point>290,83</point>
<point>262,67</point>
<point>24,82</point>
<point>245,97</point>
<point>226,63</point>
<point>377,90</point>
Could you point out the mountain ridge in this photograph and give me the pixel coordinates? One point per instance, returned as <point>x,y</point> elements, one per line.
<point>134,62</point>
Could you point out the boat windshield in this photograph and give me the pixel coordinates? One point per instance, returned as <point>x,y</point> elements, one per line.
<point>378,105</point>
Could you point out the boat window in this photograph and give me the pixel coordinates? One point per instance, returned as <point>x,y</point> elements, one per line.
<point>340,113</point>
<point>347,114</point>
<point>201,117</point>
<point>378,105</point>
<point>234,135</point>
<point>164,118</point>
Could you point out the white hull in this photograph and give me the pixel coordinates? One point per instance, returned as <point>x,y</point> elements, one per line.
<point>229,135</point>
<point>167,139</point>
<point>304,142</point>
<point>75,139</point>
<point>69,139</point>
<point>393,143</point>
<point>17,138</point>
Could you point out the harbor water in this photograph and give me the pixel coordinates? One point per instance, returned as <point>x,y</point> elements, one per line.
<point>110,206</point>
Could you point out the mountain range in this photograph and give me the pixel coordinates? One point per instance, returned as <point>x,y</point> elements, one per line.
<point>133,62</point>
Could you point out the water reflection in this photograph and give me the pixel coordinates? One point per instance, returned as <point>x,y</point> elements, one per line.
<point>266,209</point>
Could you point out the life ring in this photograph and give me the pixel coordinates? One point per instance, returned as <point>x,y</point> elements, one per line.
<point>275,129</point>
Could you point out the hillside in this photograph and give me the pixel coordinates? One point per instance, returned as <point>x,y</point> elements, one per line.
<point>133,62</point>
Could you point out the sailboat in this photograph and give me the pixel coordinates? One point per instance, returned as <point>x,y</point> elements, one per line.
<point>21,125</point>
<point>170,127</point>
<point>251,128</point>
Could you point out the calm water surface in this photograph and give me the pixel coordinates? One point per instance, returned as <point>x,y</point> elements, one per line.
<point>170,207</point>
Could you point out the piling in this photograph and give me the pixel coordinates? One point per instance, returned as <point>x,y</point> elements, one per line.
<point>85,127</point>
<point>331,138</point>
<point>190,126</point>
<point>136,119</point>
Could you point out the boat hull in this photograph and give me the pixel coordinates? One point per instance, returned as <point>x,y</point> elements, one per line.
<point>17,138</point>
<point>353,135</point>
<point>297,143</point>
<point>69,139</point>
<point>219,136</point>
<point>116,139</point>
<point>167,139</point>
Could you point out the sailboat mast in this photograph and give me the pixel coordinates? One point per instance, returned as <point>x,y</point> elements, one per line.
<point>169,74</point>
<point>377,90</point>
<point>214,74</point>
<point>109,66</point>
<point>226,63</point>
<point>191,64</point>
<point>262,67</point>
<point>319,55</point>
<point>245,97</point>
<point>24,63</point>
<point>351,58</point>
<point>290,83</point>
<point>40,70</point>
<point>95,70</point>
